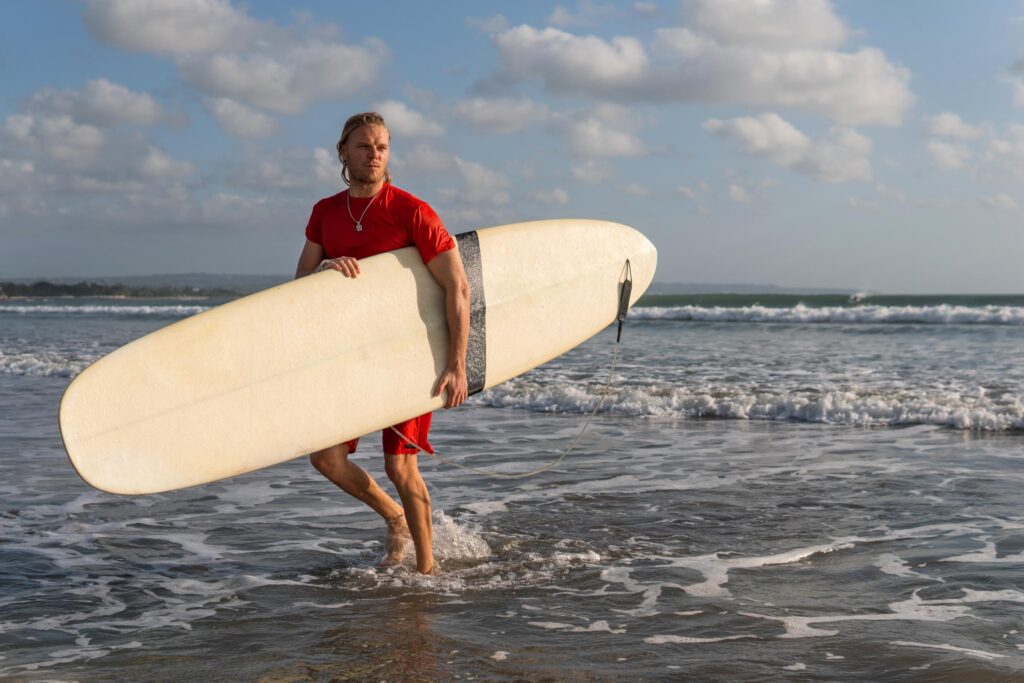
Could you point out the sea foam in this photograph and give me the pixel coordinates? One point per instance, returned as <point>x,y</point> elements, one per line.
<point>854,405</point>
<point>942,314</point>
<point>43,363</point>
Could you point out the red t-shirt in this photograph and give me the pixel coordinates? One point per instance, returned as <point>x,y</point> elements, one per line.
<point>394,220</point>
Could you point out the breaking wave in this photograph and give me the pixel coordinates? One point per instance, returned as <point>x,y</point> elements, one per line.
<point>942,314</point>
<point>853,405</point>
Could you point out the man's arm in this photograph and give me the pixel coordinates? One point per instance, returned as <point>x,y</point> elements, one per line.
<point>311,256</point>
<point>447,269</point>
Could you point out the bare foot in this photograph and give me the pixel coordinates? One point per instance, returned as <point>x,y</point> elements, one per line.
<point>397,542</point>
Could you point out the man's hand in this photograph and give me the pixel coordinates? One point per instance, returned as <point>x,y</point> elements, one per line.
<point>454,380</point>
<point>346,265</point>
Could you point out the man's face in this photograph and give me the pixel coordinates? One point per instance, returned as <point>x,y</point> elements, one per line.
<point>366,153</point>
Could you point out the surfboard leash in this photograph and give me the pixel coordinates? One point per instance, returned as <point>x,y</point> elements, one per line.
<point>624,293</point>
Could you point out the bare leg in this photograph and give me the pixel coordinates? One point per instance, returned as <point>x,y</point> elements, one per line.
<point>404,472</point>
<point>334,464</point>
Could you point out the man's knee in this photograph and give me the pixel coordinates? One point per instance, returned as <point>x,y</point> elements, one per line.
<point>401,469</point>
<point>329,458</point>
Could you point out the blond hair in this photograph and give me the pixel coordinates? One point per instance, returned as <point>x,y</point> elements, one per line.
<point>368,118</point>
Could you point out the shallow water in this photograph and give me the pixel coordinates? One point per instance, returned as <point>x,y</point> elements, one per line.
<point>666,547</point>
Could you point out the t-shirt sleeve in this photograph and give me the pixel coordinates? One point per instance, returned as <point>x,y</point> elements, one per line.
<point>313,228</point>
<point>429,234</point>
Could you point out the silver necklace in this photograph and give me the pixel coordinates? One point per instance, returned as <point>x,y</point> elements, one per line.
<point>348,205</point>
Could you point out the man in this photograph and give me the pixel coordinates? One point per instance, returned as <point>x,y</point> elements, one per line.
<point>373,217</point>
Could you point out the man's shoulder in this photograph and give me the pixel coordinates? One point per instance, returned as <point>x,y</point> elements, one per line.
<point>331,200</point>
<point>403,198</point>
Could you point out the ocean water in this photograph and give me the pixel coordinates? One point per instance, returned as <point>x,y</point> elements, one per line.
<point>774,489</point>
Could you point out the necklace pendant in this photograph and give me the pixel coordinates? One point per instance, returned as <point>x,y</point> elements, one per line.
<point>359,227</point>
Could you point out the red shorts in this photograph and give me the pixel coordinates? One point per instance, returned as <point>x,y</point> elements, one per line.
<point>416,430</point>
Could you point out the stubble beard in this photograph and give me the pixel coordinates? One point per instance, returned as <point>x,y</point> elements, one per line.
<point>366,177</point>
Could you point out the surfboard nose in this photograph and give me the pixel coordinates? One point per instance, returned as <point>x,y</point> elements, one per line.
<point>643,262</point>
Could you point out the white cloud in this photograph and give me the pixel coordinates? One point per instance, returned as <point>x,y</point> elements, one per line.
<point>170,26</point>
<point>58,138</point>
<point>592,172</point>
<point>1002,201</point>
<point>287,80</point>
<point>1006,152</point>
<point>481,185</point>
<point>229,211</point>
<point>15,172</point>
<point>74,140</point>
<point>241,120</point>
<point>739,194</point>
<point>1017,88</point>
<point>1016,82</point>
<point>948,156</point>
<point>157,164</point>
<point>223,53</point>
<point>843,156</point>
<point>560,17</point>
<point>588,14</point>
<point>267,170</point>
<point>771,54</point>
<point>688,192</point>
<point>556,196</point>
<point>405,122</point>
<point>605,131</point>
<point>637,190</point>
<point>950,125</point>
<point>501,115</point>
<point>490,25</point>
<point>22,187</point>
<point>570,63</point>
<point>783,24</point>
<point>645,8</point>
<point>768,136</point>
<point>890,193</point>
<point>100,103</point>
<point>326,168</point>
<point>422,157</point>
<point>57,166</point>
<point>995,154</point>
<point>18,127</point>
<point>478,185</point>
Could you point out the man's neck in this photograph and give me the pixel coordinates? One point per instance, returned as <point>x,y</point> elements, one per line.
<point>365,189</point>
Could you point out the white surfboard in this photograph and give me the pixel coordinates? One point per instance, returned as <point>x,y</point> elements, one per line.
<point>324,359</point>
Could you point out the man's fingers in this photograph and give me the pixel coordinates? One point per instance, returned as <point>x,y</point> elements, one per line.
<point>346,265</point>
<point>456,397</point>
<point>353,267</point>
<point>458,392</point>
<point>440,385</point>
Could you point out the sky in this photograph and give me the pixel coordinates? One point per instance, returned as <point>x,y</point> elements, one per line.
<point>861,144</point>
